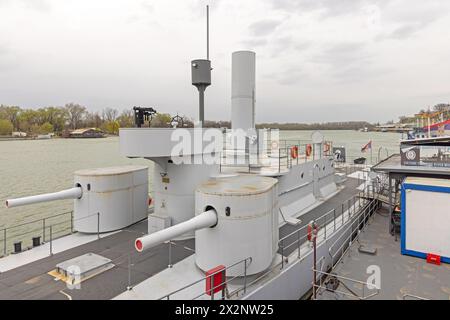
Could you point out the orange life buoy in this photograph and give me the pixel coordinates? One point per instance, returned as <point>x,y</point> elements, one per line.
<point>326,147</point>
<point>312,228</point>
<point>308,150</point>
<point>294,152</point>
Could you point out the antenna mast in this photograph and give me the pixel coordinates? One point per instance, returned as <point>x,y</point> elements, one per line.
<point>207,32</point>
<point>201,74</point>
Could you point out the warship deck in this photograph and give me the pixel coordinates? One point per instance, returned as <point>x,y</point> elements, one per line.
<point>402,277</point>
<point>32,281</point>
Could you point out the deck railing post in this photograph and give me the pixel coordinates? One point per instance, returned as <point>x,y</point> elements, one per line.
<point>51,240</point>
<point>43,230</point>
<point>98,225</point>
<point>211,284</point>
<point>129,273</point>
<point>245,275</point>
<point>4,242</point>
<point>279,160</point>
<point>170,255</point>
<point>71,221</point>
<point>334,218</point>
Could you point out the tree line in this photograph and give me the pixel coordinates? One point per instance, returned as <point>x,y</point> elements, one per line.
<point>75,116</point>
<point>70,117</point>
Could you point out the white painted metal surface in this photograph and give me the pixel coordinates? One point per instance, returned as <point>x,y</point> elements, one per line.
<point>248,228</point>
<point>427,216</point>
<point>73,193</point>
<point>118,194</point>
<point>204,220</point>
<point>174,189</point>
<point>163,142</point>
<point>243,90</point>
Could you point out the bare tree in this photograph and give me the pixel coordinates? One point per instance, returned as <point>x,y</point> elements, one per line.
<point>110,114</point>
<point>126,119</point>
<point>75,113</point>
<point>93,119</point>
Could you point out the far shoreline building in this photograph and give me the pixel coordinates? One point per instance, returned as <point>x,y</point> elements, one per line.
<point>86,133</point>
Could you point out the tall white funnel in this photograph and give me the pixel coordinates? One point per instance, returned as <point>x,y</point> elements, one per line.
<point>243,90</point>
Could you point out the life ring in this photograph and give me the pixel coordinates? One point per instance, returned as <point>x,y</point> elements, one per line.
<point>312,229</point>
<point>294,152</point>
<point>308,150</point>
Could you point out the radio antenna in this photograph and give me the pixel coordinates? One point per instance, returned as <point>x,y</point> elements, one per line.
<point>201,74</point>
<point>207,32</point>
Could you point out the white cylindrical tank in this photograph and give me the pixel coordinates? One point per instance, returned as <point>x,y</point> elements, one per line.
<point>247,225</point>
<point>243,90</point>
<point>119,194</point>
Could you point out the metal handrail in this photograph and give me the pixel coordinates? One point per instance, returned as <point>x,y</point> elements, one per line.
<point>37,220</point>
<point>351,202</point>
<point>363,283</point>
<point>45,227</point>
<point>318,218</point>
<point>413,296</point>
<point>248,259</point>
<point>349,238</point>
<point>350,226</point>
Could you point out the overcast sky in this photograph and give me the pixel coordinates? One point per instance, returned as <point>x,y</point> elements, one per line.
<point>317,60</point>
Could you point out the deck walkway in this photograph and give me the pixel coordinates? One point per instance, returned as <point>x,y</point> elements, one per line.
<point>402,277</point>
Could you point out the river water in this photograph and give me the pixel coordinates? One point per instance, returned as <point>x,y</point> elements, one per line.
<point>29,167</point>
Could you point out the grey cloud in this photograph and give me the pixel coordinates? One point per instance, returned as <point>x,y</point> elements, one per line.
<point>264,27</point>
<point>148,6</point>
<point>328,7</point>
<point>288,76</point>
<point>253,43</point>
<point>302,46</point>
<point>413,21</point>
<point>402,32</point>
<point>358,73</point>
<point>292,77</point>
<point>198,7</point>
<point>281,45</point>
<point>7,59</point>
<point>346,62</point>
<point>38,5</point>
<point>342,54</point>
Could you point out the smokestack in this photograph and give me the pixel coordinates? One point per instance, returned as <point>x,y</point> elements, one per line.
<point>243,90</point>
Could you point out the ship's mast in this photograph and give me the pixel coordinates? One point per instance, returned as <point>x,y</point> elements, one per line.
<point>201,74</point>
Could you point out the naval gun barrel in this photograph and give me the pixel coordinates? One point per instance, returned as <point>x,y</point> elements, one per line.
<point>203,220</point>
<point>73,193</point>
